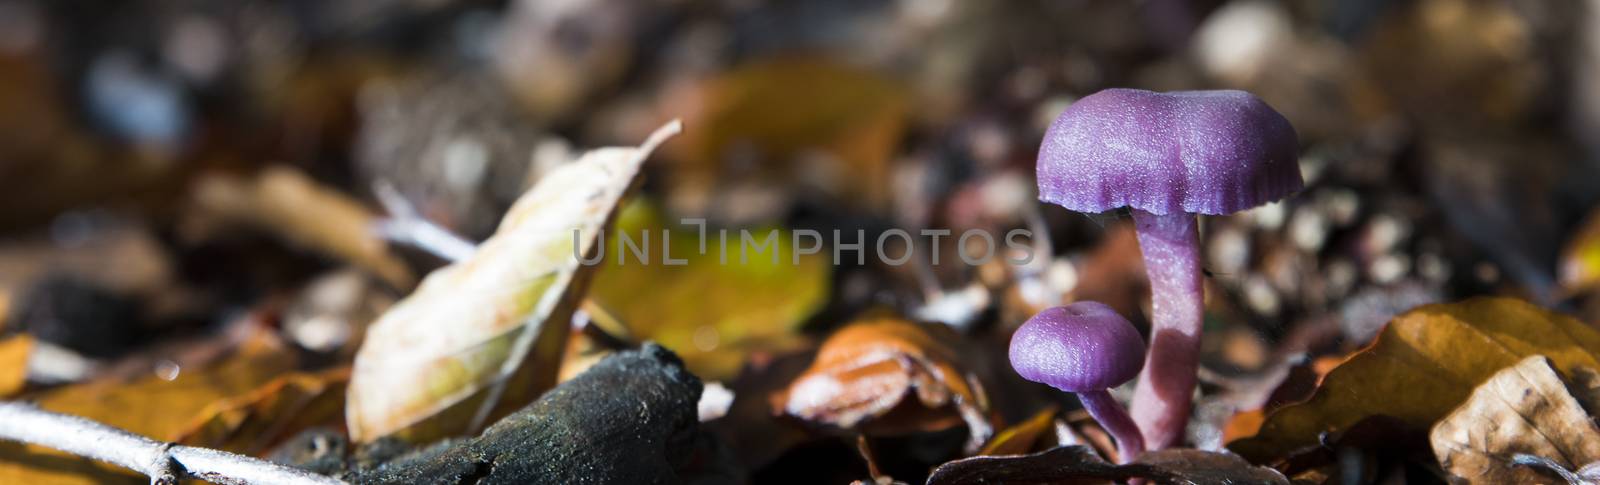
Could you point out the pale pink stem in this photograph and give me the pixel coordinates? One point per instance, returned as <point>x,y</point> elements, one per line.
<point>1171,247</point>
<point>1109,413</point>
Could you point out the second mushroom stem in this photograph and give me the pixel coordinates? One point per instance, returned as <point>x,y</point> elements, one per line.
<point>1171,247</point>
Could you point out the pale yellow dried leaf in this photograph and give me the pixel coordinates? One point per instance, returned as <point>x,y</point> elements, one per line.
<point>1524,408</point>
<point>472,325</point>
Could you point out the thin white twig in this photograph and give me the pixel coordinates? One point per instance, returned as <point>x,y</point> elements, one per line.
<point>164,463</point>
<point>405,225</point>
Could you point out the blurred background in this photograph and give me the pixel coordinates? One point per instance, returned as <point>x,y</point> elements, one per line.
<point>166,165</point>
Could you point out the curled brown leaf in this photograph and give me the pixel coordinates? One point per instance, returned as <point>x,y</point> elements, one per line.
<point>863,374</point>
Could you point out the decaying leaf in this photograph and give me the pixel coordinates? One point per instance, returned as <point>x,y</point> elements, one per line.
<point>1080,464</point>
<point>151,406</point>
<point>438,361</point>
<point>1524,408</point>
<point>283,200</point>
<point>1580,260</point>
<point>864,372</point>
<point>252,422</point>
<point>710,311</point>
<point>1423,364</point>
<point>14,353</point>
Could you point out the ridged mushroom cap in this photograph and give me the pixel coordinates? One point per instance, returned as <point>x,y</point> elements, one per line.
<point>1085,346</point>
<point>1203,152</point>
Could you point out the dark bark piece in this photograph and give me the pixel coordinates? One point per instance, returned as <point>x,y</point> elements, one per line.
<point>1079,464</point>
<point>629,419</point>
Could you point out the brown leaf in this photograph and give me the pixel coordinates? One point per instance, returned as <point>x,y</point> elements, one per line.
<point>288,202</point>
<point>1080,464</point>
<point>1421,366</point>
<point>1113,273</point>
<point>253,422</point>
<point>1455,61</point>
<point>14,353</point>
<point>854,117</point>
<point>1524,408</point>
<point>128,259</point>
<point>864,372</point>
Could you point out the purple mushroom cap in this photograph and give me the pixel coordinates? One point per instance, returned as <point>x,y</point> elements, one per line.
<point>1085,346</point>
<point>1203,152</point>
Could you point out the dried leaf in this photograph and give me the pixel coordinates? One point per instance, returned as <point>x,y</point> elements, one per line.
<point>864,372</point>
<point>1080,464</point>
<point>436,361</point>
<point>290,203</point>
<point>1580,260</point>
<point>853,116</point>
<point>14,353</point>
<point>151,406</point>
<point>254,421</point>
<point>1524,408</point>
<point>1421,366</point>
<point>711,312</point>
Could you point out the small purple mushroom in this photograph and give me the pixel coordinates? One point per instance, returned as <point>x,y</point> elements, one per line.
<point>1084,348</point>
<point>1169,156</point>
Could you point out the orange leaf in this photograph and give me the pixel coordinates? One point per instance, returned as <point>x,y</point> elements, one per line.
<point>869,368</point>
<point>14,363</point>
<point>252,422</point>
<point>152,406</point>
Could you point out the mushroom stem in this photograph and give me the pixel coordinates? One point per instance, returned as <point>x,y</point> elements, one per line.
<point>1109,413</point>
<point>1171,247</point>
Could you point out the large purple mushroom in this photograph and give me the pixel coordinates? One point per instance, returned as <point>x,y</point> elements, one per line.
<point>1084,348</point>
<point>1168,157</point>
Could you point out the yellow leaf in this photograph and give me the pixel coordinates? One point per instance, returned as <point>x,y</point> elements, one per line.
<point>14,353</point>
<point>152,406</point>
<point>1525,408</point>
<point>1422,365</point>
<point>434,364</point>
<point>711,313</point>
<point>1020,439</point>
<point>1580,261</point>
